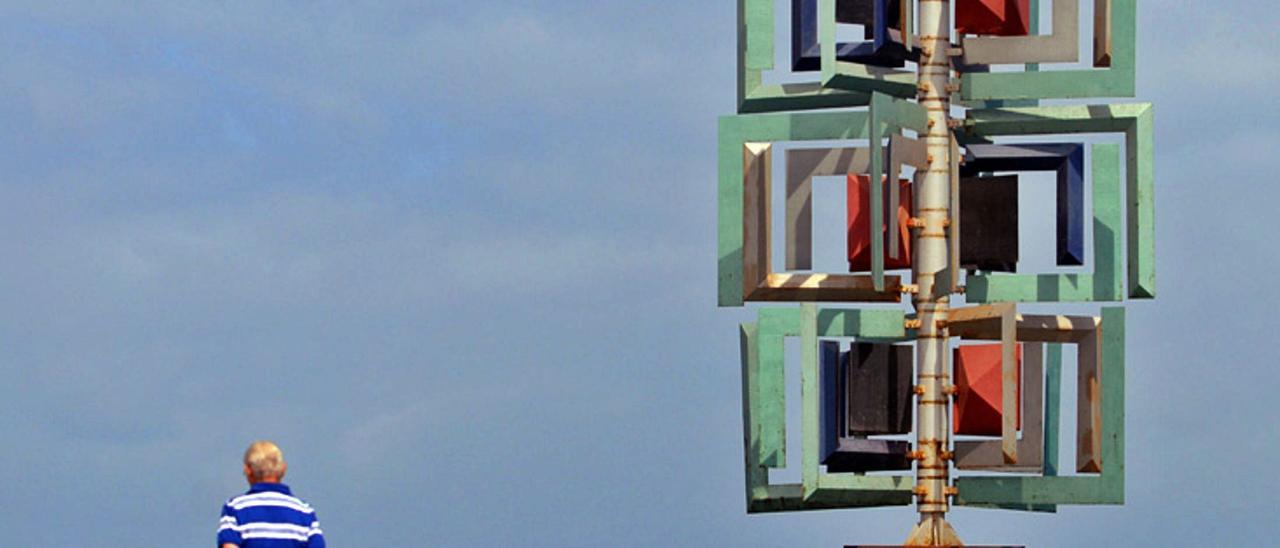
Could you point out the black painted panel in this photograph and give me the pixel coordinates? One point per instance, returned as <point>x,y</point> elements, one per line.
<point>989,223</point>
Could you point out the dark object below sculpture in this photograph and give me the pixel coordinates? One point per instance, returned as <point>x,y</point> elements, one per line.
<point>901,546</point>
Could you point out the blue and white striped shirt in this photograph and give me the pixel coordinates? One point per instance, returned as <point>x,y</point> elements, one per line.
<point>269,516</point>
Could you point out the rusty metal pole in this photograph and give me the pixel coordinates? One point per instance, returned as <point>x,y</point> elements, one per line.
<point>932,347</point>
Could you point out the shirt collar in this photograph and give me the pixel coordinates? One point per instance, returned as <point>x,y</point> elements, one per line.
<point>270,487</point>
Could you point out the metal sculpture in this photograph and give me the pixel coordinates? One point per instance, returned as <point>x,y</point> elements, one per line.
<point>935,198</point>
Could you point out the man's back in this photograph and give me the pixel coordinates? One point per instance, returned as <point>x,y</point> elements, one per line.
<point>269,516</point>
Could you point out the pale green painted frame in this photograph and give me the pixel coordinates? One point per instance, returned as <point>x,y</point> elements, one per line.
<point>1118,80</point>
<point>756,55</point>
<point>736,132</point>
<point>1105,488</point>
<point>857,77</point>
<point>764,409</point>
<point>888,116</point>
<point>1135,121</point>
<point>1105,283</point>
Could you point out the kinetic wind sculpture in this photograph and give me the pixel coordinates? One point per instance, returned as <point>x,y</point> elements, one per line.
<point>954,225</point>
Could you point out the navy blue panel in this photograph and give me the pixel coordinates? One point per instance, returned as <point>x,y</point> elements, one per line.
<point>882,51</point>
<point>1071,210</point>
<point>864,455</point>
<point>885,44</point>
<point>830,392</point>
<point>1067,159</point>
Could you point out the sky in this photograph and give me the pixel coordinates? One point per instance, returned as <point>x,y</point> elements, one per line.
<point>458,259</point>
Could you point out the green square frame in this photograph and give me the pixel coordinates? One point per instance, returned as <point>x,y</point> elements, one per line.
<point>888,116</point>
<point>1052,427</point>
<point>1118,80</point>
<point>841,84</point>
<point>1135,121</point>
<point>764,410</point>
<point>856,77</point>
<point>1105,283</point>
<point>1104,488</point>
<point>755,56</point>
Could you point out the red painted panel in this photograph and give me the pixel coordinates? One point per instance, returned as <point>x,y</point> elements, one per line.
<point>979,395</point>
<point>859,224</point>
<point>993,17</point>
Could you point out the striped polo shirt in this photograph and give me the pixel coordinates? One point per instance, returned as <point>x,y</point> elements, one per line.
<point>269,516</point>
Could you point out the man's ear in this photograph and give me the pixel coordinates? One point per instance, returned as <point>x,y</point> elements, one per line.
<point>284,468</point>
<point>248,473</point>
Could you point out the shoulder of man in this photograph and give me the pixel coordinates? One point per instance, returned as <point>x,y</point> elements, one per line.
<point>268,498</point>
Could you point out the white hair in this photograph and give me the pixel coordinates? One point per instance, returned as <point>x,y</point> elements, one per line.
<point>264,460</point>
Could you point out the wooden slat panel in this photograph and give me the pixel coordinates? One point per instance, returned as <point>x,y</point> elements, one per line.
<point>1089,399</point>
<point>757,219</point>
<point>903,151</point>
<point>1102,33</point>
<point>1009,393</point>
<point>827,287</point>
<point>961,316</point>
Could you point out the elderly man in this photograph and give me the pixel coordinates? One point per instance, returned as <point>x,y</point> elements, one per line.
<point>268,515</point>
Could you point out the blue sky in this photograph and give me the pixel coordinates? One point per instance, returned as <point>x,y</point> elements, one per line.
<point>458,259</point>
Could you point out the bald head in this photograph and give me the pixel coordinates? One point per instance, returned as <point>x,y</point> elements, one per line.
<point>263,462</point>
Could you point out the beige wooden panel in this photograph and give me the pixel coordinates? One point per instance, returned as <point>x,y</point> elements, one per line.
<point>1089,405</point>
<point>903,150</point>
<point>1102,33</point>
<point>802,166</point>
<point>1061,46</point>
<point>756,214</point>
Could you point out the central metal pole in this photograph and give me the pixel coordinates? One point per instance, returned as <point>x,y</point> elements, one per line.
<point>932,305</point>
